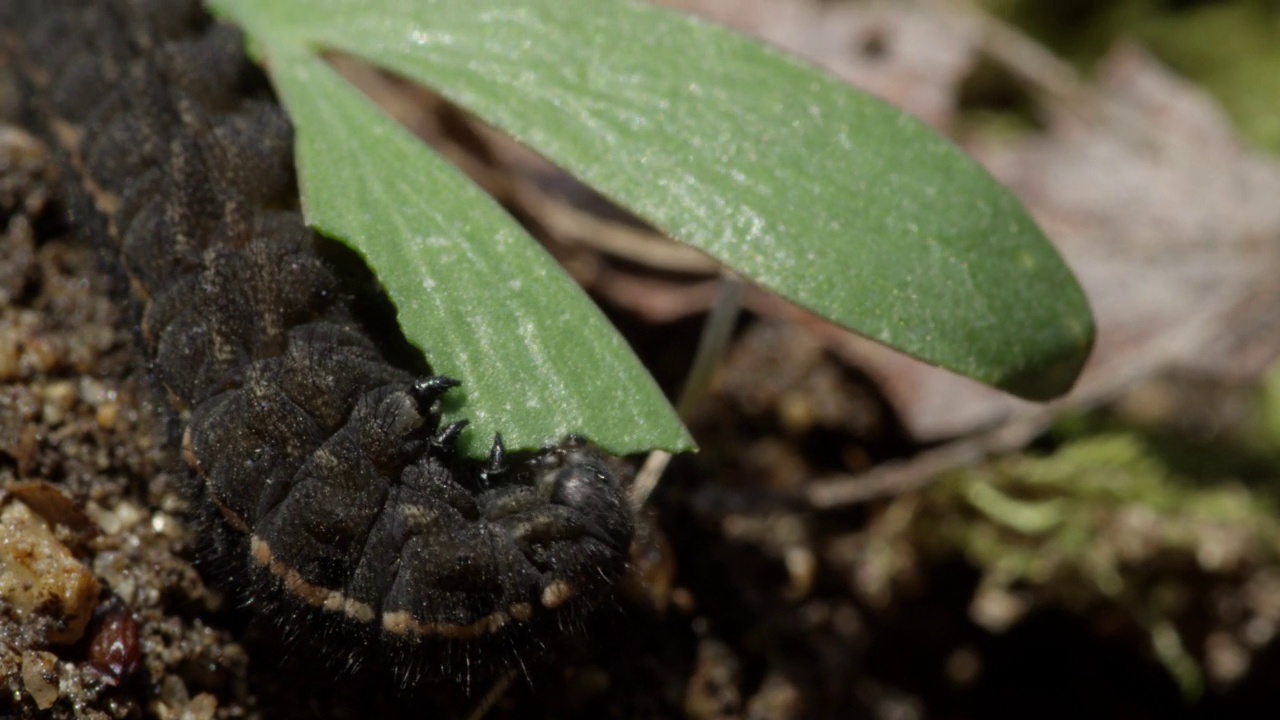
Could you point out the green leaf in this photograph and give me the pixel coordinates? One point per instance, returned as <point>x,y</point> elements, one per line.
<point>475,307</point>
<point>825,195</point>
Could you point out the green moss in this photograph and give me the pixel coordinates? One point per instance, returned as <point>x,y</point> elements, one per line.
<point>1230,48</point>
<point>1233,50</point>
<point>1106,524</point>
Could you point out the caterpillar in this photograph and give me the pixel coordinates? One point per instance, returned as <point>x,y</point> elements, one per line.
<point>312,432</point>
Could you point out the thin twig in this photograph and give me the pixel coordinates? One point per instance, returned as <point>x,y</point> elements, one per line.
<point>712,343</point>
<point>491,698</point>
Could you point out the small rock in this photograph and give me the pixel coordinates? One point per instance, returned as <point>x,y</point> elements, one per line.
<point>777,699</point>
<point>40,677</point>
<point>174,702</point>
<point>114,649</point>
<point>53,506</point>
<point>42,355</point>
<point>60,398</point>
<point>713,692</point>
<point>40,578</point>
<point>107,415</point>
<point>10,355</point>
<point>29,174</point>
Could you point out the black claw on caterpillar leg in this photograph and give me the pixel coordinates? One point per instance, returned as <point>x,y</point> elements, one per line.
<point>496,464</point>
<point>447,437</point>
<point>428,390</point>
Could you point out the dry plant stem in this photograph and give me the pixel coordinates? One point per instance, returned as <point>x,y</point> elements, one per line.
<point>515,183</point>
<point>647,479</point>
<point>646,247</point>
<point>1023,56</point>
<point>711,347</point>
<point>574,226</point>
<point>898,478</point>
<point>712,343</point>
<point>1055,80</point>
<point>491,698</point>
<point>892,479</point>
<point>512,182</point>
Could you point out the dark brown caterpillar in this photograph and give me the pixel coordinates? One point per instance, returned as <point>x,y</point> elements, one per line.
<point>318,441</point>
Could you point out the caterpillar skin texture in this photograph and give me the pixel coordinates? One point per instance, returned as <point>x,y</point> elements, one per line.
<point>319,451</point>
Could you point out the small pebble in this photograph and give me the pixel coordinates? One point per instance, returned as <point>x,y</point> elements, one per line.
<point>114,649</point>
<point>40,677</point>
<point>40,578</point>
